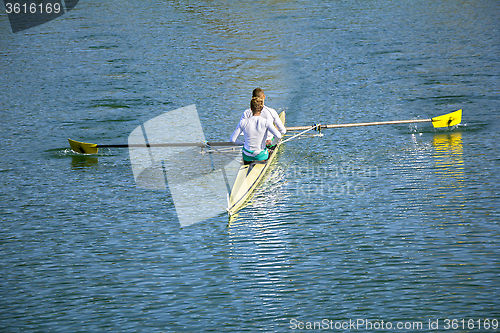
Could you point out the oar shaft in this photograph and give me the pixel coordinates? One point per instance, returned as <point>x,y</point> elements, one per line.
<point>392,122</point>
<point>183,144</point>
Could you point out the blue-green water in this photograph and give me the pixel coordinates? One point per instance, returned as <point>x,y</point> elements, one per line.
<point>396,224</point>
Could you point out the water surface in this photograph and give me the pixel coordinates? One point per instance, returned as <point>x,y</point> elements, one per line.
<point>395,223</point>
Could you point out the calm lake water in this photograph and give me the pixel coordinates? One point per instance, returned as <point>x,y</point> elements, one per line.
<point>392,224</point>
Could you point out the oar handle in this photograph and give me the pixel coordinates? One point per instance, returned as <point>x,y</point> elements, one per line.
<point>392,122</point>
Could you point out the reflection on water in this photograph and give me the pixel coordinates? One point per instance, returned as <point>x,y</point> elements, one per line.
<point>83,161</point>
<point>449,142</point>
<point>448,155</point>
<point>449,171</point>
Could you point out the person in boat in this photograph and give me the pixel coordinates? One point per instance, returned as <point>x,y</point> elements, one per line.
<point>267,113</point>
<point>256,130</point>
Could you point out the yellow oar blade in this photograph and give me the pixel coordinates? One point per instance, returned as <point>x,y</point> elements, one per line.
<point>82,147</point>
<point>447,120</point>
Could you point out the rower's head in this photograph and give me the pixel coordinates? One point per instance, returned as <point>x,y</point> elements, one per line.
<point>256,104</point>
<point>258,92</point>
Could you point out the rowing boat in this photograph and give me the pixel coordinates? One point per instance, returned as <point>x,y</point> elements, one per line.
<point>248,178</point>
<point>195,196</point>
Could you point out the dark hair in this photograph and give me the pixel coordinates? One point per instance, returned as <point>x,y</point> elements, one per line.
<point>258,92</point>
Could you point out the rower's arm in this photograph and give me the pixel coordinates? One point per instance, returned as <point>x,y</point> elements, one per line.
<point>274,131</point>
<point>234,136</point>
<point>279,123</point>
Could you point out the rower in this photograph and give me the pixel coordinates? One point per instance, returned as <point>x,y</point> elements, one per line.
<point>267,113</point>
<point>256,130</point>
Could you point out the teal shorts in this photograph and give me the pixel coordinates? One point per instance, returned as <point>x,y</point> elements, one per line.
<point>262,156</point>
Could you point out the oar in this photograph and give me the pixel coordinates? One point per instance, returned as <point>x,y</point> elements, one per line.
<point>447,120</point>
<point>92,148</point>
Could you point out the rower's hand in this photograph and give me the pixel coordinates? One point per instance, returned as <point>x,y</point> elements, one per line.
<point>268,142</point>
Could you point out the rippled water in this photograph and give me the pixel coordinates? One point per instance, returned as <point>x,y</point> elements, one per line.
<point>393,224</point>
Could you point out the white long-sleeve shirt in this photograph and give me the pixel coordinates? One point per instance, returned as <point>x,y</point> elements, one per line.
<point>270,114</point>
<point>256,130</point>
